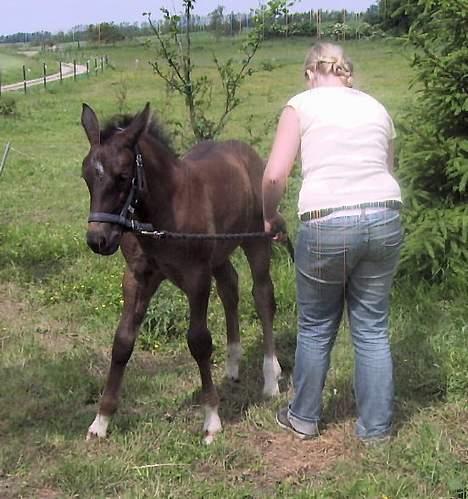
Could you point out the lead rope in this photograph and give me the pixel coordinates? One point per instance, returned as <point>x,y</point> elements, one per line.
<point>180,236</point>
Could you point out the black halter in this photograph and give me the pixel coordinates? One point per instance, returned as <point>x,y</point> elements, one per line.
<point>126,216</point>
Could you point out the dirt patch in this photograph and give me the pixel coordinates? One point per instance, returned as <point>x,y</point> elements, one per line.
<point>18,315</point>
<point>29,53</point>
<point>12,488</point>
<point>285,458</point>
<point>12,308</point>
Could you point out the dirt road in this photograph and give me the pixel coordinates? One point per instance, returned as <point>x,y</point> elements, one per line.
<point>67,72</point>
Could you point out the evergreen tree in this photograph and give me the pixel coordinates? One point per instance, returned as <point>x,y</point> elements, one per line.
<point>433,165</point>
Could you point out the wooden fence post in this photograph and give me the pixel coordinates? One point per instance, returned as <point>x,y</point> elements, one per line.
<point>4,158</point>
<point>24,78</point>
<point>87,68</point>
<point>74,69</point>
<point>344,24</point>
<point>44,67</point>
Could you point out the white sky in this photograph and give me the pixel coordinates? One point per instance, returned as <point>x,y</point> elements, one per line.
<point>55,15</point>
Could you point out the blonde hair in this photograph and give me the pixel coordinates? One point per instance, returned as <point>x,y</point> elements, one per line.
<point>328,58</point>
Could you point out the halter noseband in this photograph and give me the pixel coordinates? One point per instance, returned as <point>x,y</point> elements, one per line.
<point>126,216</point>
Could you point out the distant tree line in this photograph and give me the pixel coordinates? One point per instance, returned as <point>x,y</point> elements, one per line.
<point>278,21</point>
<point>385,16</point>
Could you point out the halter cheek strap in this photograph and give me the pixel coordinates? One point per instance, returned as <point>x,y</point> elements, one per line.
<point>126,216</point>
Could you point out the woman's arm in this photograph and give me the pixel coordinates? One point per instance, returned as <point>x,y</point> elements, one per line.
<point>280,163</point>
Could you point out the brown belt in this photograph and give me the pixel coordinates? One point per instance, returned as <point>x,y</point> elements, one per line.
<point>323,212</point>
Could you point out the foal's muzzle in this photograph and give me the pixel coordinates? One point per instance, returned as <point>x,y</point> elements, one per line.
<point>103,238</point>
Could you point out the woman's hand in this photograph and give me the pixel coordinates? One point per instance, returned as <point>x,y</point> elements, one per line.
<point>277,226</point>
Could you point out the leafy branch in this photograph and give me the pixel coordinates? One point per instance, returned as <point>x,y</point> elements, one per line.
<point>174,65</point>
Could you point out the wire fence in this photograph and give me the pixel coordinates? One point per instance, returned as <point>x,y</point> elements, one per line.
<point>57,71</point>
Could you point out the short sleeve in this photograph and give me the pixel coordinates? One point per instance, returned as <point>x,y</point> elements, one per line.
<point>392,131</point>
<point>295,103</point>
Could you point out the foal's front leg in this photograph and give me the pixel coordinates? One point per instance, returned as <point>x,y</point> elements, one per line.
<point>197,285</point>
<point>138,288</point>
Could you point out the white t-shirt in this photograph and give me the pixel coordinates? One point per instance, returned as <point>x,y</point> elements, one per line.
<point>345,136</point>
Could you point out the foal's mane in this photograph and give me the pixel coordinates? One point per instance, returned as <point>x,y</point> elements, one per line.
<point>154,129</point>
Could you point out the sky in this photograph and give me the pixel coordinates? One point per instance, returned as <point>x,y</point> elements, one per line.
<point>55,15</point>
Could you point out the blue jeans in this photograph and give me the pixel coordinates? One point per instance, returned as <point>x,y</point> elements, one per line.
<point>352,260</point>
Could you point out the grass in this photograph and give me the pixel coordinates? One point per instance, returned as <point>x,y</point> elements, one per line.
<point>59,305</point>
<point>12,61</point>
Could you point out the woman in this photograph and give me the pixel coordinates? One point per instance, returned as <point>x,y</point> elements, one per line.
<point>348,241</point>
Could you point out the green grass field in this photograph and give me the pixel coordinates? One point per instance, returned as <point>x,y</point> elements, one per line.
<point>12,61</point>
<point>59,306</point>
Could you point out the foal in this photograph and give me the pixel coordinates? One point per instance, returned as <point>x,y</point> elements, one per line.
<point>135,179</point>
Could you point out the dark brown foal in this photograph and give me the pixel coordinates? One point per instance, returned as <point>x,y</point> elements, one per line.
<point>135,178</point>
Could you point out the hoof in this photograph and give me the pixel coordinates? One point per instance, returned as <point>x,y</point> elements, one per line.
<point>209,438</point>
<point>233,379</point>
<point>271,391</point>
<point>212,424</point>
<point>271,373</point>
<point>91,435</point>
<point>98,428</point>
<point>232,363</point>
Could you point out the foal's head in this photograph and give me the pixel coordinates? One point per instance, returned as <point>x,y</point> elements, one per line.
<point>108,170</point>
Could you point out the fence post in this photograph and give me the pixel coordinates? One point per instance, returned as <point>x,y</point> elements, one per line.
<point>5,154</point>
<point>44,66</point>
<point>61,73</point>
<point>102,64</point>
<point>95,65</point>
<point>87,69</point>
<point>24,78</point>
<point>0,83</point>
<point>319,24</point>
<point>74,69</point>
<point>344,24</point>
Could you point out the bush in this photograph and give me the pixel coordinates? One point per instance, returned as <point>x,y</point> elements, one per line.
<point>8,106</point>
<point>434,153</point>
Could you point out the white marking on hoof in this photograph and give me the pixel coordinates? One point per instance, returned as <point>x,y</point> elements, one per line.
<point>271,374</point>
<point>98,428</point>
<point>234,354</point>
<point>212,424</point>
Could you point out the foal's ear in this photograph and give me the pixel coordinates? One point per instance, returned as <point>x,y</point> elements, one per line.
<point>139,124</point>
<point>90,124</point>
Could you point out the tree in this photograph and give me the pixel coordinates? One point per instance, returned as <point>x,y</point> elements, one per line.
<point>395,16</point>
<point>433,165</point>
<point>174,65</point>
<point>217,21</point>
<point>104,32</point>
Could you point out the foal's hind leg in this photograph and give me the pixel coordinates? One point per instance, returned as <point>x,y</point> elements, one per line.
<point>197,285</point>
<point>258,253</point>
<point>138,288</point>
<point>228,290</point>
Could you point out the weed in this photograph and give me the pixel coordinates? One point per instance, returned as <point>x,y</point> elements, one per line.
<point>8,106</point>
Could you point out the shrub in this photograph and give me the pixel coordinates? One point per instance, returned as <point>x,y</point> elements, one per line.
<point>8,106</point>
<point>434,153</point>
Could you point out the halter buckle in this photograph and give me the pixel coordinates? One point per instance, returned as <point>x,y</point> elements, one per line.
<point>156,234</point>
